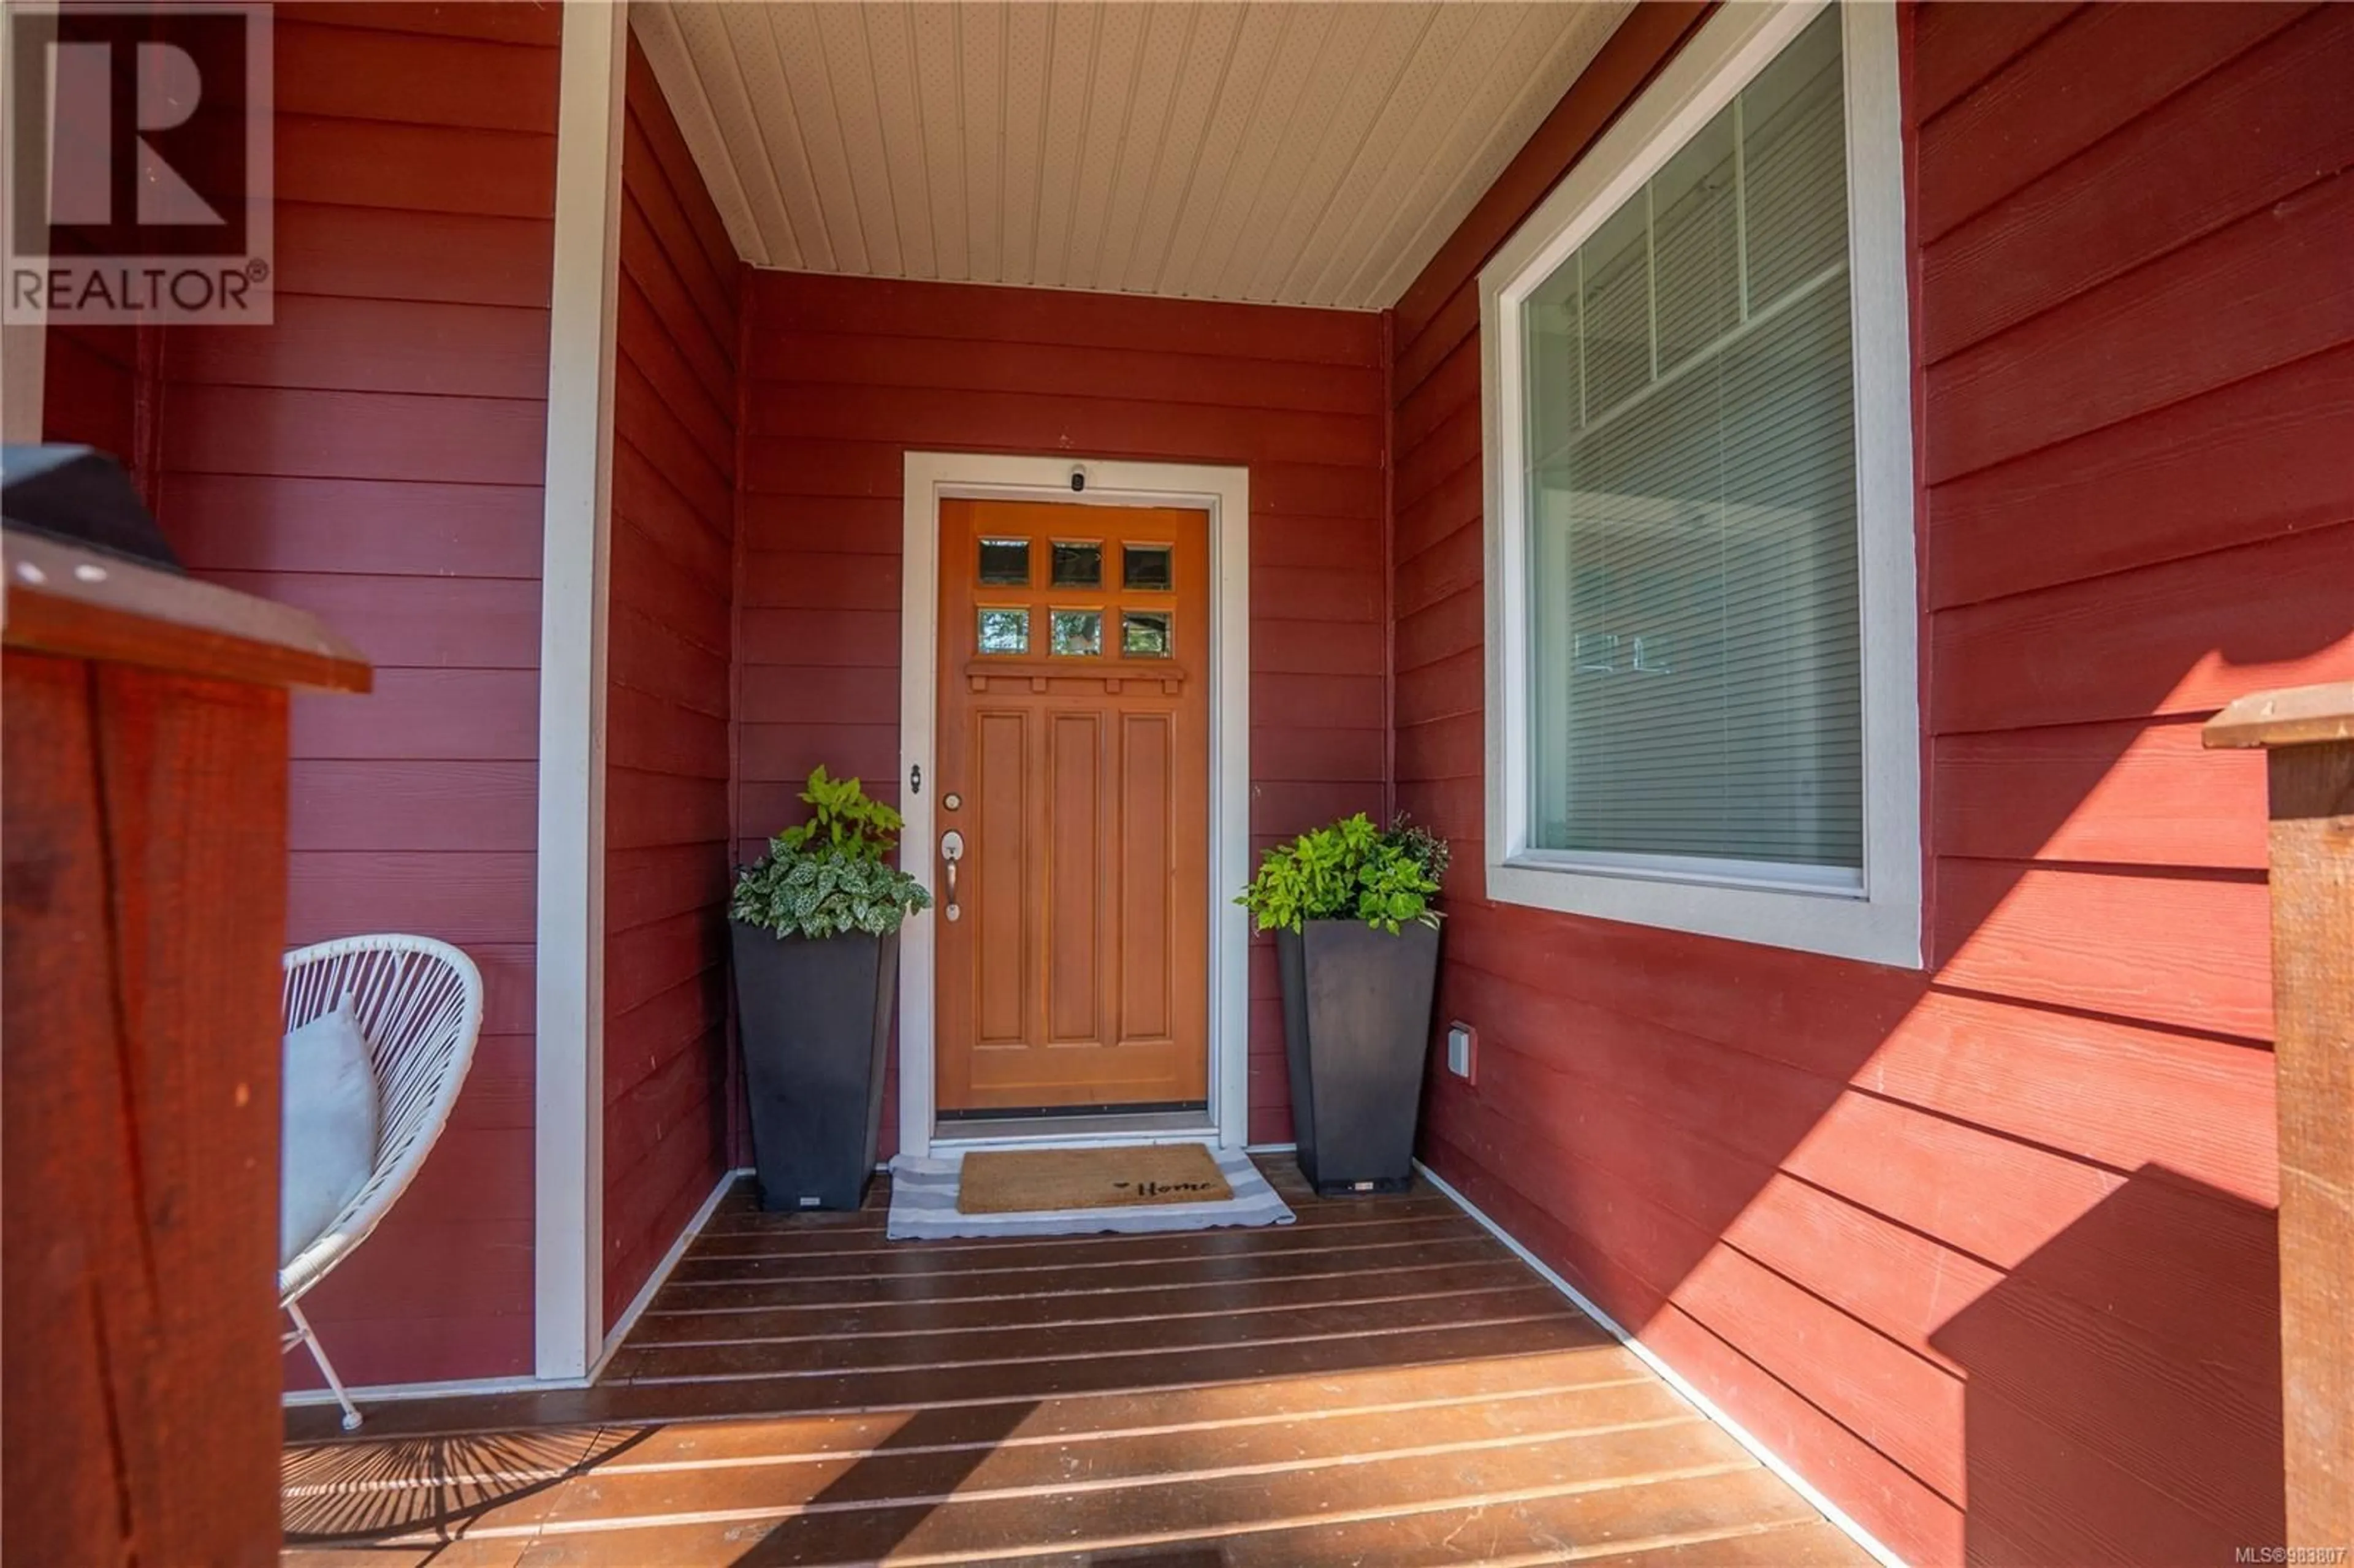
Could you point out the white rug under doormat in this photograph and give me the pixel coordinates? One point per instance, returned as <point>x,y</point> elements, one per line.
<point>923,1206</point>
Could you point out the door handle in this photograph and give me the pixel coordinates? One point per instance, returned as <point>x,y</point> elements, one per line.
<point>952,852</point>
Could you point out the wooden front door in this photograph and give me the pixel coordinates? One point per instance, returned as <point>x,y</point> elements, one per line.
<point>1074,763</point>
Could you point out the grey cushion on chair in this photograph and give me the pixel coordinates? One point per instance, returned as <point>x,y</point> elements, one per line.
<point>330,1125</point>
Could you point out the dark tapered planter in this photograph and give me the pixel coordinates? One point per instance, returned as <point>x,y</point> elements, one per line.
<point>815,1017</point>
<point>1356,1027</point>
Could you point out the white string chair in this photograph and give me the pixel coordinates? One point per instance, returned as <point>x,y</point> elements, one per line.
<point>420,1007</point>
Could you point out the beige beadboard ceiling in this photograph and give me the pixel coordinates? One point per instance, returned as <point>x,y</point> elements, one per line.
<point>1297,152</point>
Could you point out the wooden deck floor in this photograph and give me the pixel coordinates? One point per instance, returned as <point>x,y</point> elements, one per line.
<point>1382,1382</point>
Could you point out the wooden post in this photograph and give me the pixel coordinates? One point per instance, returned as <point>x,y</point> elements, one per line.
<point>144,896</point>
<point>2308,735</point>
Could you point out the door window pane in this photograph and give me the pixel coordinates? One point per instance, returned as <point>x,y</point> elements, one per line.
<point>1005,563</point>
<point>1146,566</point>
<point>1078,564</point>
<point>1079,633</point>
<point>1695,681</point>
<point>1144,633</point>
<point>1006,631</point>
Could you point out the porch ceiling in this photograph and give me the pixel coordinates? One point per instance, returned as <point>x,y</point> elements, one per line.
<point>1299,154</point>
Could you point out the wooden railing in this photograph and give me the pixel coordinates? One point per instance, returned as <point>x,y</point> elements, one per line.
<point>2308,737</point>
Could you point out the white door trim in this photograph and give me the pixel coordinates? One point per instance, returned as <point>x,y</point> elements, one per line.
<point>1224,495</point>
<point>567,1100</point>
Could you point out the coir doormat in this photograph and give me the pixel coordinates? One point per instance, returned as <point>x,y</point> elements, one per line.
<point>1080,1191</point>
<point>1044,1181</point>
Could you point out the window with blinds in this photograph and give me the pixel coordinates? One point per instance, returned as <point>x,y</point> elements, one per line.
<point>1694,679</point>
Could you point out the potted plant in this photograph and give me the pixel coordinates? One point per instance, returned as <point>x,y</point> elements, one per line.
<point>816,934</point>
<point>1357,945</point>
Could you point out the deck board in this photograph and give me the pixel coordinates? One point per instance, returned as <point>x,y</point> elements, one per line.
<point>1464,1272</point>
<point>1383,1382</point>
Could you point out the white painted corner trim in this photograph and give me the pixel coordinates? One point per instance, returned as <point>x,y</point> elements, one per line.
<point>1224,494</point>
<point>568,1102</point>
<point>1875,917</point>
<point>24,352</point>
<point>24,348</point>
<point>1831,1511</point>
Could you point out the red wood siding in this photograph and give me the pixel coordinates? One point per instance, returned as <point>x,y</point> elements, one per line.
<point>376,456</point>
<point>667,650</point>
<point>93,378</point>
<point>89,386</point>
<point>843,376</point>
<point>1986,1252</point>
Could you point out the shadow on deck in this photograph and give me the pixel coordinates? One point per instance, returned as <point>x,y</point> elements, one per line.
<point>1380,1383</point>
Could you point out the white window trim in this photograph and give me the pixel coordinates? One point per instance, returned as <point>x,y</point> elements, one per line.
<point>931,478</point>
<point>1879,922</point>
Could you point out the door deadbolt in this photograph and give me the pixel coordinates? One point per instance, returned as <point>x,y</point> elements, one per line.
<point>952,852</point>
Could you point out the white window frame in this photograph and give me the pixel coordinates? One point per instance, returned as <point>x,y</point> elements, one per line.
<point>1875,917</point>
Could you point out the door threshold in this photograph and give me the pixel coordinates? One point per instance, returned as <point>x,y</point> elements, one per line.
<point>1074,1131</point>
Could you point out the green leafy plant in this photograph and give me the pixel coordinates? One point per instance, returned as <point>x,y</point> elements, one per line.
<point>831,876</point>
<point>843,818</point>
<point>1351,870</point>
